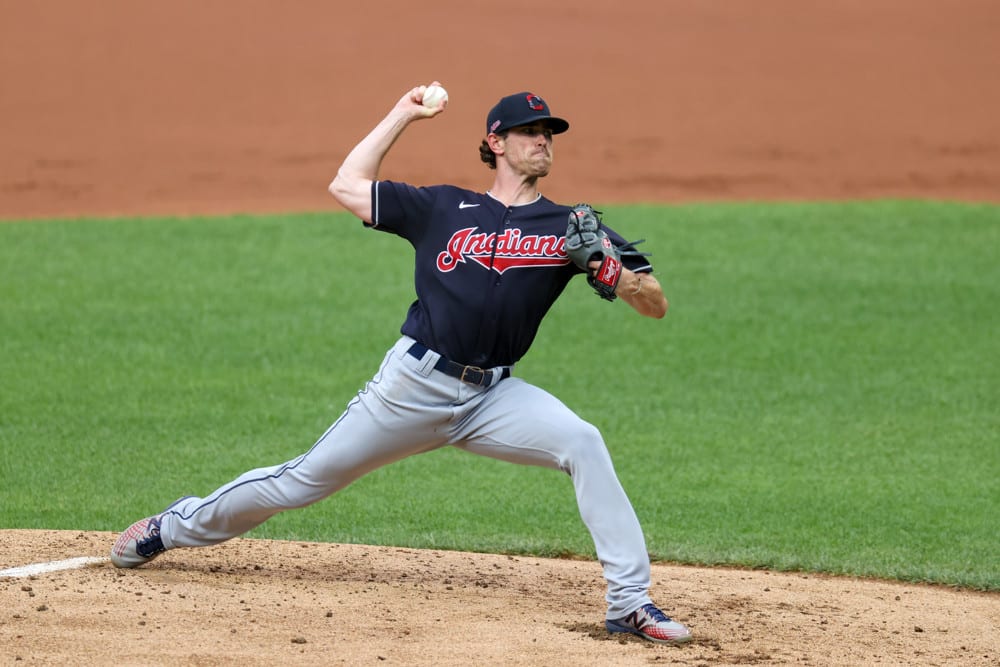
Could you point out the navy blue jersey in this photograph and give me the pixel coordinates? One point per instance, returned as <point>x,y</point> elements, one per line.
<point>485,273</point>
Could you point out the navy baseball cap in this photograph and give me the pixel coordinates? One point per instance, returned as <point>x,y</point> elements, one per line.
<point>522,109</point>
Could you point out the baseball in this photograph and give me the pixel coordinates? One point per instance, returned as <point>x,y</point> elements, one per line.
<point>434,96</point>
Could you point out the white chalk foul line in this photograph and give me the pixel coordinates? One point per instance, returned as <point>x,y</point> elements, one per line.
<point>51,566</point>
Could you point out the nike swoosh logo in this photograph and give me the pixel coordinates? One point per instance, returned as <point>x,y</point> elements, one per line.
<point>464,205</point>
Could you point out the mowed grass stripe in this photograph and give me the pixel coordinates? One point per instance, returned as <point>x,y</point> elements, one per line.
<point>823,394</point>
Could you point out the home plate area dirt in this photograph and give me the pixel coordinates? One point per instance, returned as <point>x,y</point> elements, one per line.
<point>262,602</point>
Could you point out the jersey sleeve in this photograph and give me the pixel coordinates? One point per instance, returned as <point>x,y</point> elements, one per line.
<point>400,208</point>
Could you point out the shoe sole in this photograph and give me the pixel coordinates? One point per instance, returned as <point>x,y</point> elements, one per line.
<point>614,628</point>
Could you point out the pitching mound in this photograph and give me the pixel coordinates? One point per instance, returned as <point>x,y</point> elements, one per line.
<point>260,602</point>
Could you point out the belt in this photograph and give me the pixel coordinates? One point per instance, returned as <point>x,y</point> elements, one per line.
<point>481,377</point>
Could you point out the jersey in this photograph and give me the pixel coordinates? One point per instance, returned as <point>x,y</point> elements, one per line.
<point>485,273</point>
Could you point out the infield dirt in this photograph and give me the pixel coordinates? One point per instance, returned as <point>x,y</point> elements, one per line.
<point>183,108</point>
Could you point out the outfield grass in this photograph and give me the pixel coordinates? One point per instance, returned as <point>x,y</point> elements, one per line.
<point>824,394</point>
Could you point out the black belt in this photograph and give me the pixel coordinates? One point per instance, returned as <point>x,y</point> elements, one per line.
<point>481,377</point>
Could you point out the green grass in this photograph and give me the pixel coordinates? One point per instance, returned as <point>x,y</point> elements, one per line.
<point>824,394</point>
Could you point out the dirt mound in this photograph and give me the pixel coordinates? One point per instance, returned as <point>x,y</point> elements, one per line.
<point>260,602</point>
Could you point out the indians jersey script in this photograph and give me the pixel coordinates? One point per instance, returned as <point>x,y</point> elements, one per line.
<point>485,273</point>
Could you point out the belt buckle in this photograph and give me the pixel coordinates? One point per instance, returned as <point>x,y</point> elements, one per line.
<point>477,369</point>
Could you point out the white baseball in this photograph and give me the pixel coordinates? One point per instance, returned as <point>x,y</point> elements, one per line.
<point>434,96</point>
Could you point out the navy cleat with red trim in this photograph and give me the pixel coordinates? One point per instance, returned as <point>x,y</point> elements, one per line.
<point>652,624</point>
<point>140,543</point>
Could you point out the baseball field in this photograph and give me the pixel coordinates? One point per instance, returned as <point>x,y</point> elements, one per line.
<point>810,437</point>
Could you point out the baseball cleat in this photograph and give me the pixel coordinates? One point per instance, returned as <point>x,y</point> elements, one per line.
<point>140,543</point>
<point>652,624</point>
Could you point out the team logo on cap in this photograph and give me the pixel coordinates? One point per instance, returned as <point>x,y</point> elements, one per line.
<point>500,252</point>
<point>535,102</point>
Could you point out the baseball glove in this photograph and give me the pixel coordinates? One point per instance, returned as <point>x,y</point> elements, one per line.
<point>586,242</point>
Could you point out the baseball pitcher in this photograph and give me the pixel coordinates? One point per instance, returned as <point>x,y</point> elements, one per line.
<point>488,266</point>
